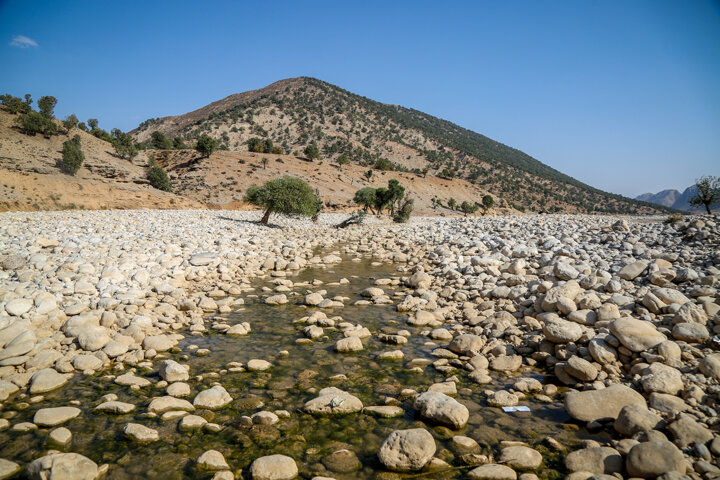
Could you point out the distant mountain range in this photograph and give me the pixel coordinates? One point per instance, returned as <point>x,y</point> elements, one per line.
<point>672,198</point>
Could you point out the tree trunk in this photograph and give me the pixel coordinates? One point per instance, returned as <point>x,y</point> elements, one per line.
<point>707,207</point>
<point>266,217</point>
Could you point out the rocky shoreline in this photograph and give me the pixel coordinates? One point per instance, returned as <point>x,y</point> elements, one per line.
<point>619,313</point>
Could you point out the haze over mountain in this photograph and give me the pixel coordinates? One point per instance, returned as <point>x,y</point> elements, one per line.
<point>295,112</point>
<point>673,198</point>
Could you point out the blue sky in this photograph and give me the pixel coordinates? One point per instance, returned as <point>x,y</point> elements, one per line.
<point>622,95</point>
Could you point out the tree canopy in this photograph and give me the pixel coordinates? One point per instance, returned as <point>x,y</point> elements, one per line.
<point>708,192</point>
<point>72,156</point>
<point>286,196</point>
<point>206,145</point>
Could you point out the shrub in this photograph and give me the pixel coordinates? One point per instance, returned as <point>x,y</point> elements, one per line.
<point>159,179</point>
<point>466,208</point>
<point>383,164</point>
<point>312,151</point>
<point>487,203</point>
<point>286,195</point>
<point>72,156</point>
<point>404,212</point>
<point>16,104</point>
<point>708,192</point>
<point>159,141</point>
<point>673,218</point>
<point>33,122</point>
<point>178,144</point>
<point>70,122</point>
<point>343,159</point>
<point>206,145</point>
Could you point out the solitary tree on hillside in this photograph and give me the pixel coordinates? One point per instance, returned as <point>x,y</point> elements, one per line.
<point>708,192</point>
<point>93,123</point>
<point>264,162</point>
<point>312,151</point>
<point>487,202</point>
<point>286,195</point>
<point>123,144</point>
<point>46,105</point>
<point>206,145</point>
<point>368,175</point>
<point>160,141</point>
<point>71,121</point>
<point>72,156</point>
<point>452,203</point>
<point>467,207</point>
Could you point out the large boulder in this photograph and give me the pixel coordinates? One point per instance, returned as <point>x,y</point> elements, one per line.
<point>172,371</point>
<point>652,459</point>
<point>50,417</point>
<point>62,466</point>
<point>558,330</point>
<point>607,403</point>
<point>439,408</point>
<point>636,335</point>
<point>407,450</point>
<point>710,365</point>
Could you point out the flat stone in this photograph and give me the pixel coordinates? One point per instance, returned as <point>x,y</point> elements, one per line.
<point>140,433</point>
<point>349,344</point>
<point>191,422</point>
<point>130,379</point>
<point>8,468</point>
<point>257,365</point>
<point>333,401</point>
<point>163,404</point>
<point>521,457</point>
<point>50,417</point>
<point>62,466</point>
<point>385,411</point>
<point>46,380</point>
<point>115,407</point>
<point>636,335</point>
<point>172,371</point>
<point>59,436</point>
<point>492,471</point>
<point>598,460</point>
<point>606,403</point>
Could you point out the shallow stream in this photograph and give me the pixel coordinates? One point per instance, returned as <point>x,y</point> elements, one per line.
<point>293,380</point>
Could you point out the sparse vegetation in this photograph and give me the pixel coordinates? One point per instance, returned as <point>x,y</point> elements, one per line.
<point>70,122</point>
<point>72,156</point>
<point>159,141</point>
<point>487,202</point>
<point>708,192</point>
<point>312,151</point>
<point>365,197</point>
<point>467,208</point>
<point>286,196</point>
<point>673,218</point>
<point>404,212</point>
<point>33,123</point>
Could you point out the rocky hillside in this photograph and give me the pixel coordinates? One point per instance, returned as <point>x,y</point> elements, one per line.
<point>293,113</point>
<point>32,180</point>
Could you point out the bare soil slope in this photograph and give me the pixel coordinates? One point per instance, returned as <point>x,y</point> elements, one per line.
<point>31,180</point>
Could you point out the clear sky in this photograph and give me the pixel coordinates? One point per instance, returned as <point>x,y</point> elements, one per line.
<point>623,95</point>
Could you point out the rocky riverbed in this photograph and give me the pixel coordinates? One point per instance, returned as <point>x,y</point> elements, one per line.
<point>198,344</point>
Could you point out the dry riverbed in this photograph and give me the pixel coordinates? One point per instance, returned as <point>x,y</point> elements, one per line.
<point>196,344</point>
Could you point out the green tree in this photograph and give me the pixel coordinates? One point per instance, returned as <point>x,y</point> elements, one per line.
<point>178,144</point>
<point>16,104</point>
<point>383,164</point>
<point>467,207</point>
<point>452,203</point>
<point>383,197</point>
<point>708,192</point>
<point>124,145</point>
<point>396,193</point>
<point>93,123</point>
<point>264,162</point>
<point>70,122</point>
<point>46,105</point>
<point>72,156</point>
<point>343,159</point>
<point>365,197</point>
<point>487,203</point>
<point>206,145</point>
<point>82,126</point>
<point>159,141</point>
<point>33,122</point>
<point>312,151</point>
<point>159,179</point>
<point>286,196</point>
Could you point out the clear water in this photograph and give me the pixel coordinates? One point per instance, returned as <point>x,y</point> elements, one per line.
<point>287,386</point>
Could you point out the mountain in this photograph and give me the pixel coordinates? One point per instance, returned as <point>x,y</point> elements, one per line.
<point>294,112</point>
<point>673,199</point>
